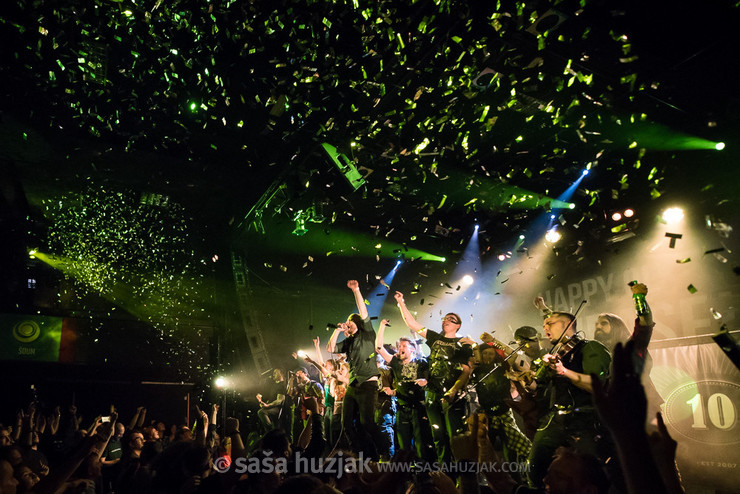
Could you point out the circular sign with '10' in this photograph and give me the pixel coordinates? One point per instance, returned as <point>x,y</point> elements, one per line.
<point>705,411</point>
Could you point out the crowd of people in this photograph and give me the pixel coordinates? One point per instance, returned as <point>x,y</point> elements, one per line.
<point>557,414</point>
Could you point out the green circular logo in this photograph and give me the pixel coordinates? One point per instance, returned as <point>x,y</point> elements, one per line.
<point>705,411</point>
<point>26,331</point>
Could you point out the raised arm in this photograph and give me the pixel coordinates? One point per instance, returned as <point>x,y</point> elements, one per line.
<point>646,318</point>
<point>317,346</point>
<point>539,302</point>
<point>200,433</point>
<point>331,347</point>
<point>379,342</point>
<point>359,299</point>
<point>214,414</point>
<point>319,367</point>
<point>412,323</point>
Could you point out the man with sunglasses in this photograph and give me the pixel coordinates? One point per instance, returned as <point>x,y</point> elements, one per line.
<point>448,373</point>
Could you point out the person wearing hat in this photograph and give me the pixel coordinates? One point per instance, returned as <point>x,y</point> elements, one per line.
<point>528,403</point>
<point>448,374</point>
<point>493,388</point>
<point>360,399</point>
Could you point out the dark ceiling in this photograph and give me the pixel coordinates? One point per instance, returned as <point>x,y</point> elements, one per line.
<point>454,111</point>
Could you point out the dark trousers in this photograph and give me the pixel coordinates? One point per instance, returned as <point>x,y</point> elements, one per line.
<point>412,429</point>
<point>332,428</point>
<point>577,430</point>
<point>445,424</point>
<point>358,417</point>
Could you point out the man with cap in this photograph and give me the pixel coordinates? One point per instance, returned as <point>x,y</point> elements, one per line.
<point>493,388</point>
<point>448,373</point>
<point>528,403</point>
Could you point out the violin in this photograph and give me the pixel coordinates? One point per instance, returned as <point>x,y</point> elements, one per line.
<point>562,349</point>
<point>520,364</point>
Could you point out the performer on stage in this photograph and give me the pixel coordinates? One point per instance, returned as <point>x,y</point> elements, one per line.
<point>494,389</point>
<point>527,400</point>
<point>358,414</point>
<point>272,414</point>
<point>448,373</point>
<point>410,377</point>
<point>571,419</point>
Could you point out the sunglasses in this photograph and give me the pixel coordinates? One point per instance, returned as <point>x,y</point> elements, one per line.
<point>452,319</point>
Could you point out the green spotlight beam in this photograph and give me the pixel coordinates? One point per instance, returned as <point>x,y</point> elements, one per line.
<point>337,242</point>
<point>662,138</point>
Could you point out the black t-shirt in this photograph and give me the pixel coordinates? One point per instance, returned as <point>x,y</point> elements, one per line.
<point>404,376</point>
<point>445,358</point>
<point>273,389</point>
<point>588,357</point>
<point>493,388</point>
<point>360,351</point>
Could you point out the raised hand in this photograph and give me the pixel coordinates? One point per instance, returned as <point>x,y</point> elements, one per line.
<point>639,288</point>
<point>399,297</point>
<point>353,285</point>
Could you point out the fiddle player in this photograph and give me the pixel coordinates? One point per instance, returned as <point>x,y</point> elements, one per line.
<point>571,418</point>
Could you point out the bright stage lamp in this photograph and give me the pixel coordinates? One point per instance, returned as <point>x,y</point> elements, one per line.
<point>552,236</point>
<point>629,213</point>
<point>616,216</point>
<point>301,354</point>
<point>672,215</point>
<point>467,280</point>
<point>719,146</point>
<point>502,257</point>
<point>220,382</point>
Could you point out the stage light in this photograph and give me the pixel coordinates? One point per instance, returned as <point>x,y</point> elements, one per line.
<point>629,213</point>
<point>345,165</point>
<point>476,227</point>
<point>301,354</point>
<point>467,280</point>
<point>398,263</point>
<point>521,237</point>
<point>552,235</point>
<point>552,216</point>
<point>220,382</point>
<point>502,257</point>
<point>571,206</point>
<point>616,216</point>
<point>719,146</point>
<point>672,215</point>
<point>585,172</point>
<point>32,253</point>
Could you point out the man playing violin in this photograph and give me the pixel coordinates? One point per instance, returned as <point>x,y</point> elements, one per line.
<point>571,418</point>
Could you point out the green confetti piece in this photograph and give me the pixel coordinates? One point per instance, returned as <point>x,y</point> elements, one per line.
<point>692,289</point>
